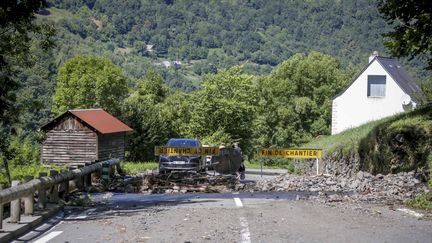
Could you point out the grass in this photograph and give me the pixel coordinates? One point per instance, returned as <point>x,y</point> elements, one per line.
<point>422,202</point>
<point>286,164</point>
<point>133,168</point>
<point>345,142</point>
<point>349,141</point>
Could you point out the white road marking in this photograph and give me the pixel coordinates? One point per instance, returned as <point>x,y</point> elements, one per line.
<point>410,212</point>
<point>83,215</point>
<point>48,237</point>
<point>238,202</point>
<point>245,234</point>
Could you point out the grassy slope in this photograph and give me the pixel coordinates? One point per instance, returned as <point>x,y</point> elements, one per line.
<point>399,143</point>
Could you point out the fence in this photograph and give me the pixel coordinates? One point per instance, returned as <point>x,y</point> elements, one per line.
<point>48,188</point>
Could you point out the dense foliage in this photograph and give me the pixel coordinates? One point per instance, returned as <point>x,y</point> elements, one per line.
<point>412,22</point>
<point>18,35</point>
<point>88,82</point>
<point>295,100</point>
<point>290,106</point>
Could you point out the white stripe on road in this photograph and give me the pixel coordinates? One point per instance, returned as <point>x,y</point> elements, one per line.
<point>410,212</point>
<point>48,237</point>
<point>83,215</point>
<point>245,234</point>
<point>238,202</point>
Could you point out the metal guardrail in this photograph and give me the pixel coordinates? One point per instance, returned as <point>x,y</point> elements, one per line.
<point>46,185</point>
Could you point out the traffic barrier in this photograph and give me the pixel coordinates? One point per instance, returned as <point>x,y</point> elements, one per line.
<point>55,183</point>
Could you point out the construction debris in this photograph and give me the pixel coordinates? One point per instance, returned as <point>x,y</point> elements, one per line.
<point>187,183</point>
<point>361,187</point>
<point>151,183</point>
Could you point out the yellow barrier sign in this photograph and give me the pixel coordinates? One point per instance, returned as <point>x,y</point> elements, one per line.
<point>186,151</point>
<point>291,153</point>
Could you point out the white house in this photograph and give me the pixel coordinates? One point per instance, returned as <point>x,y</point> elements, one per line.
<point>382,89</point>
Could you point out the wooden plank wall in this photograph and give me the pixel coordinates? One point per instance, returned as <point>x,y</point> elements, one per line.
<point>70,142</point>
<point>111,145</point>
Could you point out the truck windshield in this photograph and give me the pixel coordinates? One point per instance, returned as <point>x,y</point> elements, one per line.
<point>183,143</point>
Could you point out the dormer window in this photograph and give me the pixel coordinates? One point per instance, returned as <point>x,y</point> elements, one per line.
<point>376,86</point>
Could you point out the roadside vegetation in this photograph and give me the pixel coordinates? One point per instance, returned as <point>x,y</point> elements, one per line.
<point>422,202</point>
<point>133,168</point>
<point>280,164</point>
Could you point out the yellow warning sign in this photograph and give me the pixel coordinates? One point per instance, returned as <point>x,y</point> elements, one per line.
<point>290,153</point>
<point>187,151</point>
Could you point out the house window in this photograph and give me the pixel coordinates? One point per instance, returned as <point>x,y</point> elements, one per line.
<point>376,85</point>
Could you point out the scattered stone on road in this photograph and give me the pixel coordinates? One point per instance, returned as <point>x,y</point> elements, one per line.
<point>363,186</point>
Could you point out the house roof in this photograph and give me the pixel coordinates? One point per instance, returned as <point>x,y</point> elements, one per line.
<point>98,119</point>
<point>397,72</point>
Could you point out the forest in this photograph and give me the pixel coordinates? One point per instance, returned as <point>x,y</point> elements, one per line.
<point>257,72</point>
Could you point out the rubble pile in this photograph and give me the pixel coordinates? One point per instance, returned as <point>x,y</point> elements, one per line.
<point>362,187</point>
<point>188,183</point>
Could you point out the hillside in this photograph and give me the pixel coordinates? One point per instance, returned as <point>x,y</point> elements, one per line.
<point>206,36</point>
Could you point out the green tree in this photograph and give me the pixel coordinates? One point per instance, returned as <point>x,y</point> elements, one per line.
<point>224,106</point>
<point>89,81</point>
<point>143,112</point>
<point>18,31</point>
<point>412,23</point>
<point>177,110</point>
<point>295,100</point>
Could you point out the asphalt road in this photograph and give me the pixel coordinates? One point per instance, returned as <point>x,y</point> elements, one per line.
<point>244,217</point>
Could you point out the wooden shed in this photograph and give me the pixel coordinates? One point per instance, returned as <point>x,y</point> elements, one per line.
<point>83,136</point>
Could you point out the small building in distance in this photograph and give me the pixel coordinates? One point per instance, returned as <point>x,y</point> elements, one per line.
<point>381,90</point>
<point>83,136</point>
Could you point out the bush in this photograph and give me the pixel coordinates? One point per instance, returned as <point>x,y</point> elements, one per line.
<point>423,201</point>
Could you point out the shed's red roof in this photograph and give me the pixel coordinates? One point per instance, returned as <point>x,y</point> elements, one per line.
<point>101,120</point>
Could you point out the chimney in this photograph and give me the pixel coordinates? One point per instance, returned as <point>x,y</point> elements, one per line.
<point>371,57</point>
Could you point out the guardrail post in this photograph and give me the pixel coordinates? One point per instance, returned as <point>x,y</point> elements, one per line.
<point>106,171</point>
<point>87,180</point>
<point>80,181</point>
<point>72,183</point>
<point>54,197</point>
<point>65,187</point>
<point>42,197</point>
<point>1,213</point>
<point>28,200</point>
<point>15,207</point>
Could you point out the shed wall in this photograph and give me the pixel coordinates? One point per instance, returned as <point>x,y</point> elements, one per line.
<point>111,145</point>
<point>71,142</point>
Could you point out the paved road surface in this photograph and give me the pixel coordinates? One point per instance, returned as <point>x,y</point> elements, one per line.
<point>245,217</point>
